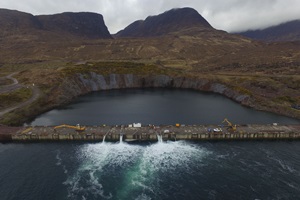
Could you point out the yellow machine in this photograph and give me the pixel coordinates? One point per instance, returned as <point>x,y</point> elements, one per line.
<point>77,127</point>
<point>230,125</point>
<point>26,130</point>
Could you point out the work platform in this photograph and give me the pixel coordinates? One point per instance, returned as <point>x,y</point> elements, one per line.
<point>150,132</point>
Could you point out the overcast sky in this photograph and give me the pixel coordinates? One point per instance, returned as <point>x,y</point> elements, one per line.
<point>228,15</point>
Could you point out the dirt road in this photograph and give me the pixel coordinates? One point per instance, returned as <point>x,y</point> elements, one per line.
<point>8,88</point>
<point>15,85</point>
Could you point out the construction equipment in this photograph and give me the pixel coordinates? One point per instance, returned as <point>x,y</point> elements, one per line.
<point>26,130</point>
<point>77,127</point>
<point>231,127</point>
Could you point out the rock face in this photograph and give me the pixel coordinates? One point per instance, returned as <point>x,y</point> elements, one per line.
<point>84,24</point>
<point>168,22</point>
<point>15,21</point>
<point>85,83</point>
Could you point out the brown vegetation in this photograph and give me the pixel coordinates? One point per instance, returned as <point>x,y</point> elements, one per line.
<point>14,98</point>
<point>268,72</point>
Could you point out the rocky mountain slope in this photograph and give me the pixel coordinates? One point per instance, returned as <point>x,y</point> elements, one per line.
<point>180,39</point>
<point>289,31</point>
<point>14,22</point>
<point>84,24</point>
<point>175,20</point>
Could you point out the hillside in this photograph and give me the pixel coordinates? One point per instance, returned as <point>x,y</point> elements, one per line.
<point>53,51</point>
<point>179,38</point>
<point>15,22</point>
<point>289,31</point>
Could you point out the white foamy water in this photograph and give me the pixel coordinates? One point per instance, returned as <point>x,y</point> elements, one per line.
<point>135,167</point>
<point>163,158</point>
<point>160,171</point>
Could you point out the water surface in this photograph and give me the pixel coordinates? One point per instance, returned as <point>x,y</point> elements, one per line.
<point>166,171</point>
<point>156,106</point>
<point>142,171</point>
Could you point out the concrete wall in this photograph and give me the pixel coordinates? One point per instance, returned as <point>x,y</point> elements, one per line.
<point>200,133</point>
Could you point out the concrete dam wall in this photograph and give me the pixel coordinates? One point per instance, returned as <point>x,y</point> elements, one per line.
<point>151,133</point>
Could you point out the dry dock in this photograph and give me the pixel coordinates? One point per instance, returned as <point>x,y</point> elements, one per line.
<point>149,133</point>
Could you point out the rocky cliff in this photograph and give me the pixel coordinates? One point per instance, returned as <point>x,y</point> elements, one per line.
<point>74,85</point>
<point>81,24</point>
<point>84,83</point>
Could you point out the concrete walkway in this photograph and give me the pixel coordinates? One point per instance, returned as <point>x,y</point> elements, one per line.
<point>152,133</point>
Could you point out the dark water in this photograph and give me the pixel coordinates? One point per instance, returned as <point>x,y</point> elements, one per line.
<point>162,170</point>
<point>169,170</point>
<point>155,106</point>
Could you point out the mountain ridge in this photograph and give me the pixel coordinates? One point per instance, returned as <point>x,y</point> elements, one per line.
<point>288,31</point>
<point>179,21</point>
<point>82,24</point>
<point>170,21</point>
<point>16,20</point>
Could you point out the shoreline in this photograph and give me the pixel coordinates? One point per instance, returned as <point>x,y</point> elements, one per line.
<point>80,84</point>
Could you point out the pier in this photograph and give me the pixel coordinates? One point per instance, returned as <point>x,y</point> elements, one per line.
<point>149,133</point>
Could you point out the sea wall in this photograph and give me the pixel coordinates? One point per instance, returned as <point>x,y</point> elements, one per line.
<point>151,133</point>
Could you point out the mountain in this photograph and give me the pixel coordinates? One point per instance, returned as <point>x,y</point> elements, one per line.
<point>15,21</point>
<point>168,22</point>
<point>289,31</point>
<point>83,24</point>
<point>186,40</point>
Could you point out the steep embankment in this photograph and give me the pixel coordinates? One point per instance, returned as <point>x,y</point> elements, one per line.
<point>70,86</point>
<point>84,83</point>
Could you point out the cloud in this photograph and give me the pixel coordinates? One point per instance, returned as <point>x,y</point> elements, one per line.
<point>251,14</point>
<point>229,15</point>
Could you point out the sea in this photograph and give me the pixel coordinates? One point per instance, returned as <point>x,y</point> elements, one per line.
<point>161,170</point>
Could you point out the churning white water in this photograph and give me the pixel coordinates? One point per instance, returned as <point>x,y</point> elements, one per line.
<point>160,171</point>
<point>138,168</point>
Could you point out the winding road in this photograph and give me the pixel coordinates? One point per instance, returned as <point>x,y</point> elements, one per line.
<point>14,86</point>
<point>8,88</point>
